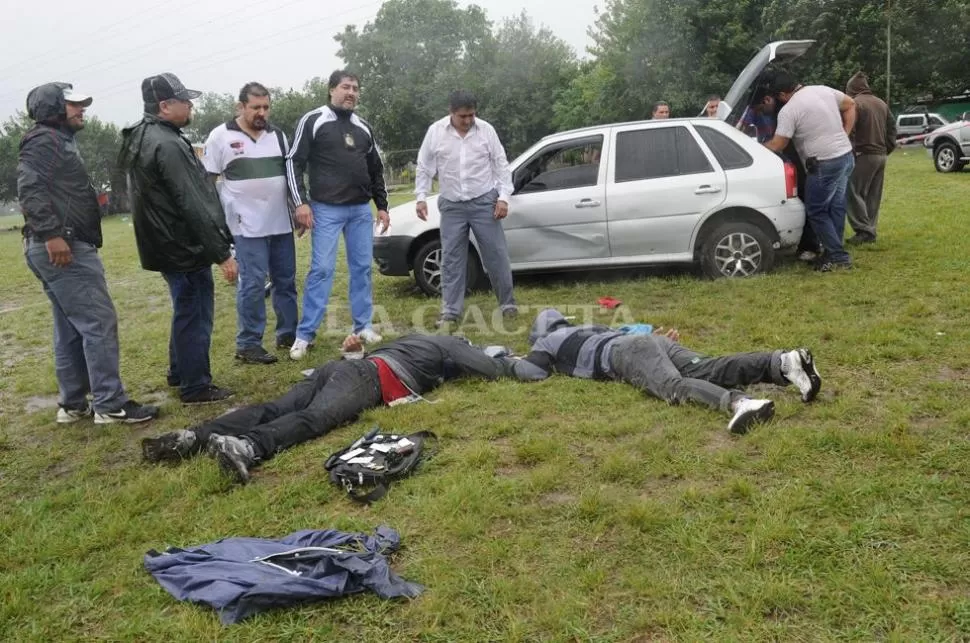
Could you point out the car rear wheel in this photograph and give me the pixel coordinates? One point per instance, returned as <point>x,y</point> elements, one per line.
<point>946,158</point>
<point>427,268</point>
<point>736,249</point>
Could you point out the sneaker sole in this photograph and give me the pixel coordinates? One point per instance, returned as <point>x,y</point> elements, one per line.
<point>107,419</point>
<point>199,402</point>
<point>743,424</point>
<point>228,467</point>
<point>248,360</point>
<point>70,420</point>
<point>808,365</point>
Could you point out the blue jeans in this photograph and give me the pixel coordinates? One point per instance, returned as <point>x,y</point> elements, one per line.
<point>85,327</point>
<point>257,257</point>
<point>193,304</point>
<point>826,191</point>
<point>357,224</point>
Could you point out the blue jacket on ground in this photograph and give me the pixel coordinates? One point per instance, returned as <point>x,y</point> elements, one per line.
<point>239,577</point>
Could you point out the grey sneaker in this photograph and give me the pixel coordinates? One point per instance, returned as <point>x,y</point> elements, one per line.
<point>66,415</point>
<point>168,447</point>
<point>748,411</point>
<point>798,367</point>
<point>234,455</point>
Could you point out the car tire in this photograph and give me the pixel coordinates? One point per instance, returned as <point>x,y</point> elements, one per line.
<point>427,268</point>
<point>946,158</point>
<point>736,249</point>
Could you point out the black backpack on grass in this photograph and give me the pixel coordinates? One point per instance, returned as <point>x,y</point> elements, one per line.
<point>374,461</point>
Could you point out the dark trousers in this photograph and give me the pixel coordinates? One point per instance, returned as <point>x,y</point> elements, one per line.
<point>85,327</point>
<point>665,369</point>
<point>193,304</point>
<point>335,394</point>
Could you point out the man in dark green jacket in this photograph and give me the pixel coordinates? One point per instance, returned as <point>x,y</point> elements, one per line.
<point>179,227</point>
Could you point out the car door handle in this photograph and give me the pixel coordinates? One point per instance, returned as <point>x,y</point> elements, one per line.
<point>707,189</point>
<point>587,203</point>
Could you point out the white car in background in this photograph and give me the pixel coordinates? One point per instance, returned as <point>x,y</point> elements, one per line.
<point>677,191</point>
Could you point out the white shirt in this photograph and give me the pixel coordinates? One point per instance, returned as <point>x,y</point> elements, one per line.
<point>467,167</point>
<point>811,118</point>
<point>253,186</point>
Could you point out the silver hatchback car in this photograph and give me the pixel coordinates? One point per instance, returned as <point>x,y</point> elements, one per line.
<point>677,191</point>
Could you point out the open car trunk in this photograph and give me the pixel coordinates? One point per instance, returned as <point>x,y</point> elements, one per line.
<point>780,52</point>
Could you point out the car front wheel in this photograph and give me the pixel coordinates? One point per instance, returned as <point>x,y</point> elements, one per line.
<point>427,268</point>
<point>736,249</point>
<point>946,158</point>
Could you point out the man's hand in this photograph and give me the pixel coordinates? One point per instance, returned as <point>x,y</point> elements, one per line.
<point>229,269</point>
<point>59,252</point>
<point>501,210</point>
<point>385,220</point>
<point>421,208</point>
<point>670,334</point>
<point>304,217</point>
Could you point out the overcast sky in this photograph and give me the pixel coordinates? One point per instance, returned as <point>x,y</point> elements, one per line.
<point>106,47</point>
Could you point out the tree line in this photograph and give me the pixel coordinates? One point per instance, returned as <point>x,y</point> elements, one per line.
<point>531,83</point>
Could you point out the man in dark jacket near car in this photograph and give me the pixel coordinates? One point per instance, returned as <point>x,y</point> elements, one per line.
<point>658,365</point>
<point>62,235</point>
<point>179,227</point>
<point>873,139</point>
<point>333,394</point>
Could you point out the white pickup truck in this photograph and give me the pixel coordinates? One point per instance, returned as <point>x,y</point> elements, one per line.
<point>949,146</point>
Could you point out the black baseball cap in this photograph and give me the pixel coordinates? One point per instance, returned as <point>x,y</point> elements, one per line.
<point>167,86</point>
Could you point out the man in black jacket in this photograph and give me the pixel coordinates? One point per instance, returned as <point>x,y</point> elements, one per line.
<point>339,152</point>
<point>179,227</point>
<point>334,394</point>
<point>61,238</point>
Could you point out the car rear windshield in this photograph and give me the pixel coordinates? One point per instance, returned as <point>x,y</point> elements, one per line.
<point>729,154</point>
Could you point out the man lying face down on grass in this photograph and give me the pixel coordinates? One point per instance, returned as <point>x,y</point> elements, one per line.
<point>334,394</point>
<point>658,365</point>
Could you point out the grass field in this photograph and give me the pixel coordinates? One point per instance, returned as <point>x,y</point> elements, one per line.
<point>560,511</point>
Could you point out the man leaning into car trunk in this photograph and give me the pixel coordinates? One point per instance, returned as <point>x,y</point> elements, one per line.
<point>818,120</point>
<point>475,181</point>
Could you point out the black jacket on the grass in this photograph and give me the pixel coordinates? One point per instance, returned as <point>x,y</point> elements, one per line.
<point>336,148</point>
<point>54,189</point>
<point>179,222</point>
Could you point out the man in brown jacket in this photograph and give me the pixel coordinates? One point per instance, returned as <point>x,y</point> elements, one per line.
<point>873,139</point>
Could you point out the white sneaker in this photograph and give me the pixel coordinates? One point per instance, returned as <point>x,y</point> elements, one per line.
<point>69,416</point>
<point>369,336</point>
<point>807,256</point>
<point>298,349</point>
<point>798,367</point>
<point>748,411</point>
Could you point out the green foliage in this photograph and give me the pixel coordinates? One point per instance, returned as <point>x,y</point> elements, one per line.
<point>10,134</point>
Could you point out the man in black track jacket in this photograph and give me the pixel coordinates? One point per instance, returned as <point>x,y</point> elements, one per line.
<point>337,150</point>
<point>333,394</point>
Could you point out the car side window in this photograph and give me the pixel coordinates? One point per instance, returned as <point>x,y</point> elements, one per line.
<point>570,164</point>
<point>909,121</point>
<point>658,152</point>
<point>935,121</point>
<point>729,154</point>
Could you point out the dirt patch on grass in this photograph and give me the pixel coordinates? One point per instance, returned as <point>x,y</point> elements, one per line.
<point>948,374</point>
<point>556,498</point>
<point>718,441</point>
<point>36,403</point>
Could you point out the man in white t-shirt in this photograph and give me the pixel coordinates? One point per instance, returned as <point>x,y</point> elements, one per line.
<point>250,155</point>
<point>818,120</point>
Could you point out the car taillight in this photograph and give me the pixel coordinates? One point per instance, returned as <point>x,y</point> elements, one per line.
<point>791,180</point>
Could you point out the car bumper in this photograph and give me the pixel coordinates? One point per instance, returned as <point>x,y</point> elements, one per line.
<point>789,220</point>
<point>391,255</point>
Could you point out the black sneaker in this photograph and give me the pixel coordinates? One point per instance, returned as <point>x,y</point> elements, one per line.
<point>747,412</point>
<point>208,395</point>
<point>234,455</point>
<point>285,341</point>
<point>169,447</point>
<point>131,413</point>
<point>173,381</point>
<point>798,367</point>
<point>860,239</point>
<point>255,355</point>
<point>510,313</point>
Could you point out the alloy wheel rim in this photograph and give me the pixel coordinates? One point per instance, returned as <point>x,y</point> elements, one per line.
<point>738,255</point>
<point>431,269</point>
